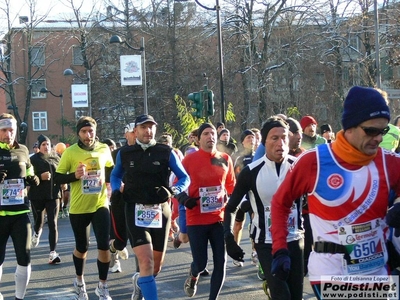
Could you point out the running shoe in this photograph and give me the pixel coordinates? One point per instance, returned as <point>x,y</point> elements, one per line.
<point>260,273</point>
<point>54,258</point>
<point>237,263</point>
<point>190,286</point>
<point>266,290</point>
<point>65,212</point>
<point>124,254</point>
<point>80,290</point>
<point>102,291</point>
<point>116,268</point>
<point>36,238</point>
<point>137,292</point>
<point>115,265</point>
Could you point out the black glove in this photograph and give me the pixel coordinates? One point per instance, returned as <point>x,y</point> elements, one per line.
<point>281,264</point>
<point>33,180</point>
<point>393,216</point>
<point>163,192</point>
<point>3,175</point>
<point>233,249</point>
<point>187,201</point>
<point>116,197</point>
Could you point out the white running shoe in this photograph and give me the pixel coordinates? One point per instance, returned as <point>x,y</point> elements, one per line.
<point>116,268</point>
<point>36,238</point>
<point>80,290</point>
<point>102,292</point>
<point>54,258</point>
<point>237,263</point>
<point>124,254</point>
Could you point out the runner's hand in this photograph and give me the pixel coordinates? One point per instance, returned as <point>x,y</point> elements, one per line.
<point>3,175</point>
<point>33,180</point>
<point>187,201</point>
<point>281,264</point>
<point>233,249</point>
<point>393,217</point>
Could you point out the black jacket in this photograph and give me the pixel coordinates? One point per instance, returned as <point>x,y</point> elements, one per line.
<point>47,189</point>
<point>144,171</point>
<point>15,162</point>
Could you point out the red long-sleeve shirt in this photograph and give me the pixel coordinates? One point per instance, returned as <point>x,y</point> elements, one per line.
<point>208,170</point>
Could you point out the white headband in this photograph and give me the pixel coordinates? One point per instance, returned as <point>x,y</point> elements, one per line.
<point>8,123</point>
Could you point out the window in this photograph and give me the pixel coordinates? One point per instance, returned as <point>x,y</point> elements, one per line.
<point>39,120</point>
<point>354,42</point>
<point>37,85</point>
<point>77,58</point>
<point>37,56</point>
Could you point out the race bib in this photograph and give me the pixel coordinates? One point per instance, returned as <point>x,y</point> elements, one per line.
<point>365,245</point>
<point>91,182</point>
<point>211,199</point>
<point>148,216</point>
<point>12,192</point>
<point>292,224</point>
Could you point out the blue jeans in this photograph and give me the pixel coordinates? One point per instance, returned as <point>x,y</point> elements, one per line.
<point>199,235</point>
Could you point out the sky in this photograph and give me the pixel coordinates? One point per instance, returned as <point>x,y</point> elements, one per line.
<point>57,7</point>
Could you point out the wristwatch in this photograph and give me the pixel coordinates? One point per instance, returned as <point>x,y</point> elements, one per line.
<point>174,190</point>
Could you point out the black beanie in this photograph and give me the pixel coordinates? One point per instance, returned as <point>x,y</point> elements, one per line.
<point>204,126</point>
<point>85,121</point>
<point>272,122</point>
<point>362,104</point>
<point>325,128</point>
<point>246,133</point>
<point>42,138</point>
<point>294,125</point>
<point>223,131</point>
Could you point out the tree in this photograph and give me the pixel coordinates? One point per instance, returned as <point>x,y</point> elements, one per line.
<point>28,78</point>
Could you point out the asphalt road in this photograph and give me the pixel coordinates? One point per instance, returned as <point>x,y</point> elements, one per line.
<point>55,281</point>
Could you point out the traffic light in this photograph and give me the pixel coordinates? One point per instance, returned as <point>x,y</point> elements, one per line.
<point>210,103</point>
<point>23,131</point>
<point>198,103</point>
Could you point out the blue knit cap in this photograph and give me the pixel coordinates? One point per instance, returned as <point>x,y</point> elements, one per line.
<point>362,104</point>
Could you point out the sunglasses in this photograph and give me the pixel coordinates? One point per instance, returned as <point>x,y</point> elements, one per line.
<point>372,131</point>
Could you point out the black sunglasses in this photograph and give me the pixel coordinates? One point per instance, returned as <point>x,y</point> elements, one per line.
<point>372,131</point>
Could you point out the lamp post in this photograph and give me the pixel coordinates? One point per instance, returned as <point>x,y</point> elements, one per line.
<point>45,91</point>
<point>116,39</point>
<point>377,46</point>
<point>69,72</point>
<point>217,8</point>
